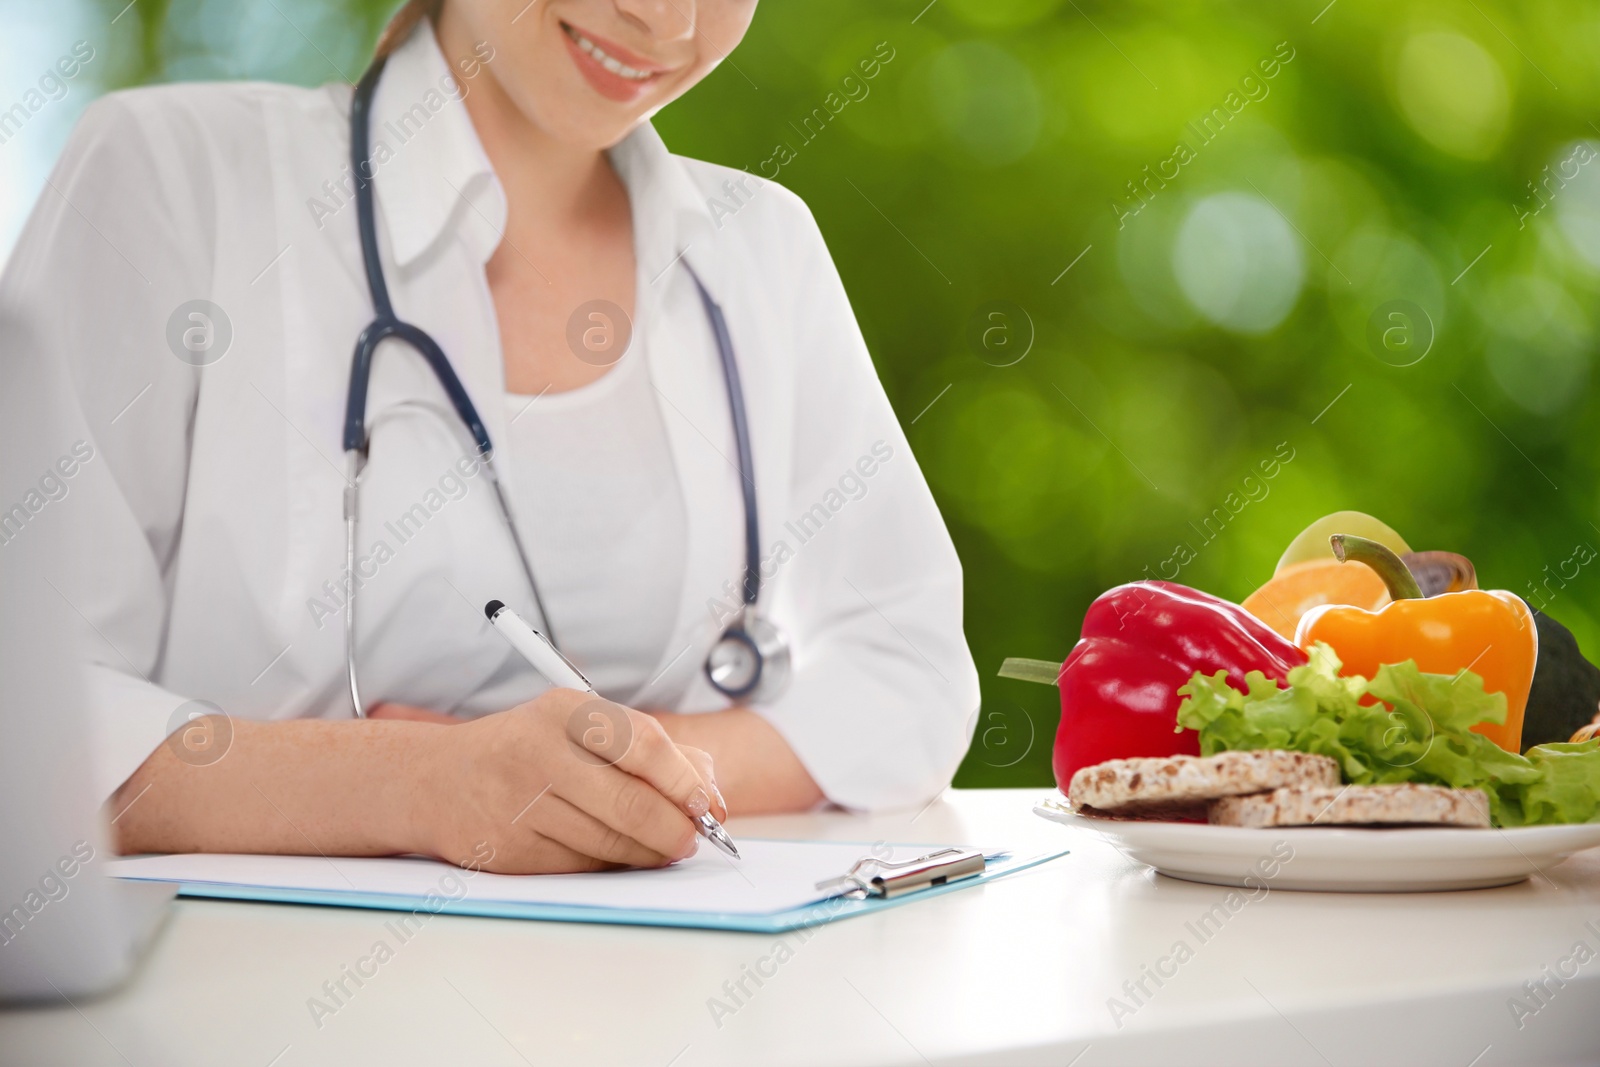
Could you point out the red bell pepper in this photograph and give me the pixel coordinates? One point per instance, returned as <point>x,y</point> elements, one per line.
<point>1141,641</point>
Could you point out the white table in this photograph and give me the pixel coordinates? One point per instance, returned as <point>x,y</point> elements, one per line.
<point>1016,972</point>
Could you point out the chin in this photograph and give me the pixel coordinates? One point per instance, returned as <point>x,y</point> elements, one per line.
<point>580,75</point>
<point>564,114</point>
<point>564,106</point>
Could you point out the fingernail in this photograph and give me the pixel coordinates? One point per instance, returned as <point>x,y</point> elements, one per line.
<point>698,803</point>
<point>723,804</point>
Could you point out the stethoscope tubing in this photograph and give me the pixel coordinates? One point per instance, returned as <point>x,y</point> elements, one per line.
<point>741,436</point>
<point>386,325</point>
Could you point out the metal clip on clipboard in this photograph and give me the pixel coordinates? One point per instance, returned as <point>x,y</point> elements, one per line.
<point>878,878</point>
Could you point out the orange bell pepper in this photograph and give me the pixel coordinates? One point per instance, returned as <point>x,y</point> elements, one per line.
<point>1489,632</point>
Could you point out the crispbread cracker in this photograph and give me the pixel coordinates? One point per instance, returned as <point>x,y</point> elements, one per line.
<point>1155,786</point>
<point>1177,811</point>
<point>1400,804</point>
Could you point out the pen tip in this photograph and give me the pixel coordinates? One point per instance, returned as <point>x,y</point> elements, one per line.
<point>490,608</point>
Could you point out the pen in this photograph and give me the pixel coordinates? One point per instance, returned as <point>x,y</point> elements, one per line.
<point>559,671</point>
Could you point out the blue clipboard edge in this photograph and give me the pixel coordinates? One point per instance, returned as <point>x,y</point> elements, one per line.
<point>779,922</point>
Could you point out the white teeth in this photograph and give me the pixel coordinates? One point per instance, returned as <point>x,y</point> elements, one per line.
<point>612,64</point>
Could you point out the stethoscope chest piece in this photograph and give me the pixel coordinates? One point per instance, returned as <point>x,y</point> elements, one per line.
<point>750,661</point>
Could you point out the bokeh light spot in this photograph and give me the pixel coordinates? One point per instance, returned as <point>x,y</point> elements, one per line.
<point>986,101</point>
<point>1577,200</point>
<point>1238,262</point>
<point>1539,342</point>
<point>1002,14</point>
<point>1453,93</point>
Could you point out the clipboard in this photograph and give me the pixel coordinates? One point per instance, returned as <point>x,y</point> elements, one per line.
<point>873,882</point>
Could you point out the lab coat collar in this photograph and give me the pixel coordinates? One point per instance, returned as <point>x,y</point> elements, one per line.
<point>433,175</point>
<point>671,218</point>
<point>430,169</point>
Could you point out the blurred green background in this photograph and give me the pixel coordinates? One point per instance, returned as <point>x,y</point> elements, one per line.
<point>1087,371</point>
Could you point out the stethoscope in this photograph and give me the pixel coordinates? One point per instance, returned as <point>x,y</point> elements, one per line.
<point>749,661</point>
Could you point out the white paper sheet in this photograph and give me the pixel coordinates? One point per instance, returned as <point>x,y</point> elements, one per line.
<point>773,876</point>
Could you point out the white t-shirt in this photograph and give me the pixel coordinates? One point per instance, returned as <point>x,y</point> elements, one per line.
<point>604,512</point>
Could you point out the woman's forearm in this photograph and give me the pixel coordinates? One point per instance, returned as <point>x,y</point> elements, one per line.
<point>757,771</point>
<point>298,787</point>
<point>309,787</point>
<point>531,790</point>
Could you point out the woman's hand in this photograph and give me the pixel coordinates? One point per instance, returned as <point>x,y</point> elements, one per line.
<point>566,782</point>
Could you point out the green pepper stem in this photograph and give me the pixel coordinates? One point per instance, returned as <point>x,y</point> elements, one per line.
<point>1348,548</point>
<point>1042,671</point>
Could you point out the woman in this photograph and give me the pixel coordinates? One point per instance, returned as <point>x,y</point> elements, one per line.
<point>188,290</point>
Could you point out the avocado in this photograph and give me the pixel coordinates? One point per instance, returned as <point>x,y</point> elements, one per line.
<point>1566,687</point>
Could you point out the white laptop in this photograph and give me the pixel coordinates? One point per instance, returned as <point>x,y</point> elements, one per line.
<point>66,927</point>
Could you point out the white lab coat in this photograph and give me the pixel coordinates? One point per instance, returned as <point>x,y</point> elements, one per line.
<point>210,498</point>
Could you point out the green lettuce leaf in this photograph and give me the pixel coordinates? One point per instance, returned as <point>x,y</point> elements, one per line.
<point>1404,725</point>
<point>1568,790</point>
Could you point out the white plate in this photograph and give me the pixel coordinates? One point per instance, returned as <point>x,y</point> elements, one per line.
<point>1336,859</point>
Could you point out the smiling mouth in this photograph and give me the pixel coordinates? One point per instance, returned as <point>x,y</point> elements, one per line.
<point>605,59</point>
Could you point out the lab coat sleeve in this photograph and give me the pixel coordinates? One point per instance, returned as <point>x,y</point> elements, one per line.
<point>885,694</point>
<point>118,239</point>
